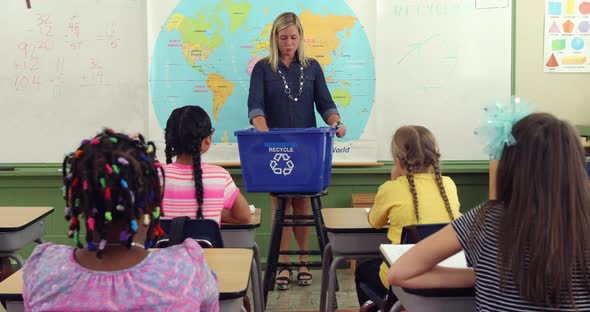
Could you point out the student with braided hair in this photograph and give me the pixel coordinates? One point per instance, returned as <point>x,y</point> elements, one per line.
<point>112,187</point>
<point>417,193</point>
<point>193,188</point>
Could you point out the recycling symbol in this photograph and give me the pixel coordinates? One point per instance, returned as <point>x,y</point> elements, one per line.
<point>282,164</point>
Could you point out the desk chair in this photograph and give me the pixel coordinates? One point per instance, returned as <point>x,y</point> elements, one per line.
<point>411,234</point>
<point>205,231</point>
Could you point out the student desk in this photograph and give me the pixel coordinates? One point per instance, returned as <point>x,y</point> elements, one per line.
<point>20,226</point>
<point>230,265</point>
<point>349,237</point>
<point>244,236</point>
<point>438,299</point>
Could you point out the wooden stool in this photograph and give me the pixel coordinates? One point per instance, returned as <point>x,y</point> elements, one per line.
<point>277,232</point>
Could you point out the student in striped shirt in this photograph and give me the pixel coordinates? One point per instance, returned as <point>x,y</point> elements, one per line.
<point>193,188</point>
<point>529,248</point>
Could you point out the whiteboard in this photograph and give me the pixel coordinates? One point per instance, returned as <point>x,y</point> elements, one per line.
<point>438,64</point>
<point>69,67</point>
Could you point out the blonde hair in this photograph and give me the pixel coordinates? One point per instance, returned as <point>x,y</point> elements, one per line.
<point>417,150</point>
<point>281,22</point>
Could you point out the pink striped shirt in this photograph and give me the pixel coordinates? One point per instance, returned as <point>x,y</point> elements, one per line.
<point>219,191</point>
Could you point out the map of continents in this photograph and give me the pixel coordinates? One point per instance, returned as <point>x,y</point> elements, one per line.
<point>206,50</point>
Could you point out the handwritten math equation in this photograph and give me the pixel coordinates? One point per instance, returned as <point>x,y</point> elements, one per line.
<point>49,48</point>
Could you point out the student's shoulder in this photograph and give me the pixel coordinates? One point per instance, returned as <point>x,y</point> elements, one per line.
<point>48,253</point>
<point>188,252</point>
<point>399,184</point>
<point>209,168</point>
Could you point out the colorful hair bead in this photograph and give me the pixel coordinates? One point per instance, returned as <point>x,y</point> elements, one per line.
<point>85,185</point>
<point>102,244</point>
<point>76,181</point>
<point>78,153</point>
<point>143,157</point>
<point>146,219</point>
<point>90,222</point>
<point>157,164</point>
<point>124,236</point>
<point>109,169</point>
<point>132,196</point>
<point>115,168</point>
<point>68,211</point>
<point>107,193</point>
<point>134,225</point>
<point>85,141</point>
<point>95,141</point>
<point>74,221</point>
<point>103,182</point>
<point>114,140</point>
<point>91,246</point>
<point>77,238</point>
<point>123,161</point>
<point>158,231</point>
<point>108,216</point>
<point>94,211</point>
<point>120,208</point>
<point>157,212</point>
<point>150,149</point>
<point>148,244</point>
<point>150,195</point>
<point>124,184</point>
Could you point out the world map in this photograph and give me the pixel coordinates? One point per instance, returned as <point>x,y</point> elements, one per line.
<point>205,52</point>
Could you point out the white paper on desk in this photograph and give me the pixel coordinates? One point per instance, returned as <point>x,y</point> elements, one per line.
<point>393,252</point>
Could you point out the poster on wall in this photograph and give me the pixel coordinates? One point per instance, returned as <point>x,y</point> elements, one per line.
<point>567,36</point>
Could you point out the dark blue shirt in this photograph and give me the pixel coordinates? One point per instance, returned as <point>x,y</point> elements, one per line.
<point>267,95</point>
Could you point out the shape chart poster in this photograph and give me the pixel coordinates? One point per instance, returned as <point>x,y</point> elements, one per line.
<point>567,36</point>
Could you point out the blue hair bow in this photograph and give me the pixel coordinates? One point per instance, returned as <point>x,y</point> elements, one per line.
<point>496,124</point>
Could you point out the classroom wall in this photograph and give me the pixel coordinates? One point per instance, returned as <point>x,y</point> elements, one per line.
<point>566,95</point>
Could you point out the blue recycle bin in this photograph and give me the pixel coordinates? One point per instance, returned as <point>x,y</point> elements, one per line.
<point>288,160</point>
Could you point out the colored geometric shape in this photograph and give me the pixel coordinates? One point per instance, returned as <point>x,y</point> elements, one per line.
<point>584,27</point>
<point>577,44</point>
<point>554,8</point>
<point>584,7</point>
<point>558,45</point>
<point>554,28</point>
<point>573,60</point>
<point>569,7</point>
<point>552,62</point>
<point>568,26</point>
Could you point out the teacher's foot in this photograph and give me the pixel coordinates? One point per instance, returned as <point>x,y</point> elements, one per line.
<point>304,277</point>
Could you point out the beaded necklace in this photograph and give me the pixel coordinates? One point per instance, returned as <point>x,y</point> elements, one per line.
<point>288,90</point>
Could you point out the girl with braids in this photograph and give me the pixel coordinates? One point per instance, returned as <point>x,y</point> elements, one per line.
<point>112,187</point>
<point>417,193</point>
<point>193,188</point>
<point>528,248</point>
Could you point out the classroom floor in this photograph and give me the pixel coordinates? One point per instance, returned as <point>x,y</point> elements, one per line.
<point>307,298</point>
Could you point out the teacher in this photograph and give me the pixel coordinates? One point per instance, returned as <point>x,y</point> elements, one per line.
<point>284,87</point>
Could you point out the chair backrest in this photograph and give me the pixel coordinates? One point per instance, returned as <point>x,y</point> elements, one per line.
<point>205,231</point>
<point>411,234</point>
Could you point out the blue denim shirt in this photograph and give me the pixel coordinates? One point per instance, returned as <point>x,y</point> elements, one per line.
<point>267,95</point>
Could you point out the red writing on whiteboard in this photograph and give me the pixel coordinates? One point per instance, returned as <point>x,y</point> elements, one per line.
<point>94,76</point>
<point>73,34</point>
<point>110,36</point>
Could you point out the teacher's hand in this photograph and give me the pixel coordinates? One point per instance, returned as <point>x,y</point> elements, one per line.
<point>340,129</point>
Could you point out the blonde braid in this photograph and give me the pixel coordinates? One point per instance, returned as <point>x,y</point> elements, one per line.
<point>410,177</point>
<point>441,187</point>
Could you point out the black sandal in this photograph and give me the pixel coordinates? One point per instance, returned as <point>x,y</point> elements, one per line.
<point>284,282</point>
<point>304,278</point>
